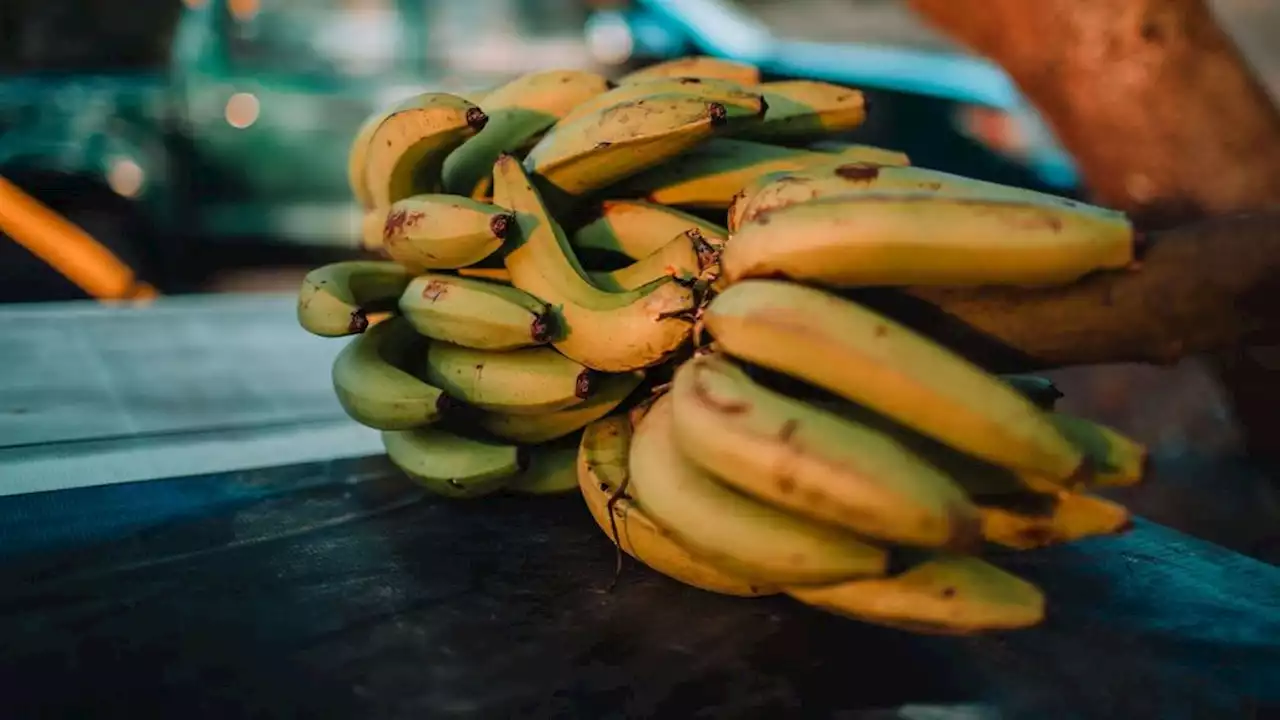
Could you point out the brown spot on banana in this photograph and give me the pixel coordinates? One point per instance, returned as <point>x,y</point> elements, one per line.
<point>501,224</point>
<point>434,290</point>
<point>397,220</point>
<point>858,172</point>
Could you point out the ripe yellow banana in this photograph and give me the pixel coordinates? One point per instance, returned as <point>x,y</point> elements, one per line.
<point>527,381</point>
<point>735,97</point>
<point>733,530</point>
<point>603,471</point>
<point>436,231</point>
<point>683,257</point>
<point>950,595</point>
<point>374,388</point>
<point>518,112</point>
<point>529,429</point>
<point>612,332</point>
<point>637,229</point>
<point>805,109</point>
<point>923,239</point>
<point>1026,522</point>
<point>408,148</point>
<point>358,157</point>
<point>696,66</point>
<point>711,174</point>
<point>812,462</point>
<point>453,465</point>
<point>475,313</point>
<point>1118,461</point>
<point>891,369</point>
<point>552,469</point>
<point>336,299</point>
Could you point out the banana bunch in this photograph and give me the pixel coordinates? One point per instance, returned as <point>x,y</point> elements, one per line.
<point>630,289</point>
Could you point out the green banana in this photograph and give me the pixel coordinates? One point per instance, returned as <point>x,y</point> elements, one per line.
<point>529,429</point>
<point>825,340</point>
<point>735,97</point>
<point>612,332</point>
<point>552,469</point>
<point>637,229</point>
<point>475,313</point>
<point>812,462</point>
<point>732,530</point>
<point>527,381</point>
<point>1117,460</point>
<point>518,112</point>
<point>408,148</point>
<point>372,386</point>
<point>336,299</point>
<point>452,465</point>
<point>1026,522</point>
<point>805,109</point>
<point>696,66</point>
<point>683,257</point>
<point>437,231</point>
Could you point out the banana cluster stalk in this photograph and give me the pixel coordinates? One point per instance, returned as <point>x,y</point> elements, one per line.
<point>629,290</point>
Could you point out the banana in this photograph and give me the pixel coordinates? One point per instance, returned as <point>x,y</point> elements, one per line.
<point>371,227</point>
<point>336,299</point>
<point>637,229</point>
<point>734,531</point>
<point>1026,522</point>
<point>733,96</point>
<point>1117,460</point>
<point>601,148</point>
<point>518,112</point>
<point>602,468</point>
<point>927,239</point>
<point>696,66</point>
<point>491,275</point>
<point>552,469</point>
<point>825,340</point>
<point>408,148</point>
<point>950,595</point>
<point>453,465</point>
<point>529,429</point>
<point>358,157</point>
<point>373,388</point>
<point>436,231</point>
<point>812,462</point>
<point>1039,390</point>
<point>711,174</point>
<point>683,257</point>
<point>528,381</point>
<point>611,332</point>
<point>475,313</point>
<point>804,109</point>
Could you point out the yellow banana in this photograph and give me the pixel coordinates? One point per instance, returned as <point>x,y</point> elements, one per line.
<point>529,429</point>
<point>825,340</point>
<point>637,228</point>
<point>1026,522</point>
<point>602,467</point>
<point>612,332</point>
<point>371,227</point>
<point>696,66</point>
<point>518,111</point>
<point>552,469</point>
<point>683,257</point>
<point>358,157</point>
<point>812,462</point>
<point>950,595</point>
<point>711,174</point>
<point>858,152</point>
<point>923,239</point>
<point>475,313</point>
<point>1117,460</point>
<point>733,530</point>
<point>408,148</point>
<point>733,96</point>
<point>804,109</point>
<point>453,465</point>
<point>528,381</point>
<point>372,385</point>
<point>336,299</point>
<point>436,231</point>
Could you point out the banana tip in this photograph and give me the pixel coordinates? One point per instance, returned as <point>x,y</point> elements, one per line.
<point>476,119</point>
<point>585,384</point>
<point>718,114</point>
<point>543,327</point>
<point>501,224</point>
<point>359,322</point>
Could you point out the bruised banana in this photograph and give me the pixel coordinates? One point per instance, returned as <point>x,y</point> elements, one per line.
<point>527,381</point>
<point>683,257</point>
<point>711,174</point>
<point>371,385</point>
<point>949,595</point>
<point>744,100</point>
<point>637,229</point>
<point>436,231</point>
<point>1026,522</point>
<point>408,148</point>
<point>603,471</point>
<point>475,313</point>
<point>696,66</point>
<point>804,109</point>
<point>814,463</point>
<point>732,530</point>
<point>552,469</point>
<point>529,429</point>
<point>336,299</point>
<point>518,112</point>
<point>453,465</point>
<point>849,350</point>
<point>611,332</point>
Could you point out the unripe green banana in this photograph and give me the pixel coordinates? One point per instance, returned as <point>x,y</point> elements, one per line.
<point>806,109</point>
<point>825,340</point>
<point>552,469</point>
<point>518,112</point>
<point>697,66</point>
<point>475,313</point>
<point>1117,460</point>
<point>408,148</point>
<point>529,429</point>
<point>527,381</point>
<point>732,530</point>
<point>637,229</point>
<point>336,299</point>
<point>735,97</point>
<point>436,231</point>
<point>374,388</point>
<point>683,257</point>
<point>1029,521</point>
<point>612,332</point>
<point>812,462</point>
<point>453,465</point>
